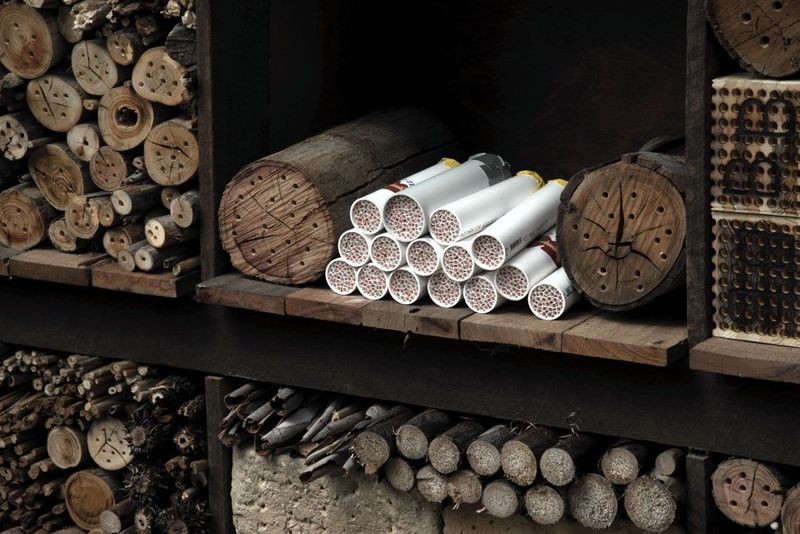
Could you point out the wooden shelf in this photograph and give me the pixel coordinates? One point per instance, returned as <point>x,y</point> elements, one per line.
<point>584,331</point>
<point>5,256</point>
<point>50,265</point>
<point>111,276</point>
<point>746,359</point>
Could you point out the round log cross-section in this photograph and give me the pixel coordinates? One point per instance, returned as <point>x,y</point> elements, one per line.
<point>124,118</point>
<point>56,101</point>
<point>24,217</point>
<point>107,444</point>
<point>67,447</point>
<point>790,514</point>
<point>171,153</point>
<point>763,35</point>
<point>280,216</point>
<point>29,40</point>
<point>59,174</point>
<point>622,230</point>
<point>109,168</point>
<point>747,492</point>
<point>94,68</point>
<point>87,495</point>
<point>159,78</point>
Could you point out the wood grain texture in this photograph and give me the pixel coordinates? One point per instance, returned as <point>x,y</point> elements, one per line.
<point>50,265</point>
<point>238,291</point>
<point>317,303</point>
<point>112,276</point>
<point>219,457</point>
<point>423,319</point>
<point>701,513</point>
<point>746,359</point>
<point>5,256</point>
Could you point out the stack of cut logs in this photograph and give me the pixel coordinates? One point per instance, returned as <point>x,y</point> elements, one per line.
<point>107,446</point>
<point>506,469</point>
<point>99,129</point>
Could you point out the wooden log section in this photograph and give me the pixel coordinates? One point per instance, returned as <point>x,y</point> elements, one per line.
<point>501,498</point>
<point>62,238</point>
<point>464,487</point>
<point>164,232</point>
<point>110,168</point>
<point>56,100</point>
<point>94,68</point>
<point>621,464</point>
<point>483,454</point>
<point>159,78</point>
<point>108,445</point>
<point>593,501</point>
<point>125,118</point>
<point>519,455</point>
<point>559,464</point>
<point>185,266</point>
<point>671,462</point>
<point>185,210</point>
<point>414,437</point>
<point>67,447</point>
<point>30,44</point>
<point>84,140</point>
<point>171,152</point>
<point>623,230</point>
<point>280,216</point>
<point>446,452</point>
<point>747,492</point>
<point>168,194</point>
<point>431,484</point>
<point>137,198</point>
<point>122,237</point>
<point>24,217</point>
<point>126,258</point>
<point>181,45</point>
<point>400,474</point>
<point>19,132</point>
<point>790,513</point>
<point>116,519</point>
<point>652,503</point>
<point>89,493</point>
<point>375,446</point>
<point>59,174</point>
<point>65,22</point>
<point>545,505</point>
<point>83,213</point>
<point>149,258</point>
<point>125,47</point>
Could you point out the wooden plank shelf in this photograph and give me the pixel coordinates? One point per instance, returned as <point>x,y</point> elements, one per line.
<point>50,265</point>
<point>111,276</point>
<point>5,257</point>
<point>747,359</point>
<point>584,331</point>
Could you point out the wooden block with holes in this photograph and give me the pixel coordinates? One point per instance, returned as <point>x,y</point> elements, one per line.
<point>755,163</point>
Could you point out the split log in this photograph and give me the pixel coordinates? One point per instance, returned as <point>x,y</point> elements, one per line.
<point>181,45</point>
<point>519,455</point>
<point>501,498</point>
<point>108,444</point>
<point>59,174</point>
<point>30,44</point>
<point>62,238</point>
<point>159,78</point>
<point>559,464</point>
<point>109,168</point>
<point>618,245</point>
<point>432,484</point>
<point>483,454</point>
<point>593,501</point>
<point>118,517</point>
<point>652,503</point>
<point>185,209</point>
<point>670,462</point>
<point>136,198</point>
<point>125,47</point>
<point>122,237</point>
<point>622,463</point>
<point>280,216</point>
<point>413,437</point>
<point>83,213</point>
<point>94,68</point>
<point>171,152</point>
<point>125,118</point>
<point>747,492</point>
<point>790,512</point>
<point>56,100</point>
<point>149,258</point>
<point>446,452</point>
<point>374,446</point>
<point>400,474</point>
<point>19,132</point>
<point>89,493</point>
<point>67,447</point>
<point>545,505</point>
<point>84,140</point>
<point>126,258</point>
<point>24,217</point>
<point>464,487</point>
<point>164,232</point>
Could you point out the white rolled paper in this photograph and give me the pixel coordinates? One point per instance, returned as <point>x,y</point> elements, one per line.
<point>458,261</point>
<point>387,252</point>
<point>517,277</point>
<point>553,296</point>
<point>406,287</point>
<point>341,277</point>
<point>372,282</point>
<point>354,247</point>
<point>366,213</point>
<point>480,293</point>
<point>444,291</point>
<point>424,256</point>
<point>469,215</point>
<point>405,215</point>
<point>511,232</point>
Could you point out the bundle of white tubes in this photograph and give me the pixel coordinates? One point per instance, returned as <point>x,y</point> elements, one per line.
<point>455,232</point>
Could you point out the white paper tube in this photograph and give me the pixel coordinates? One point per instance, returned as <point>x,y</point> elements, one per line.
<point>406,213</point>
<point>424,256</point>
<point>469,215</point>
<point>406,287</point>
<point>341,277</point>
<point>553,296</point>
<point>515,279</point>
<point>511,232</point>
<point>458,262</point>
<point>480,293</point>
<point>366,213</point>
<point>372,282</point>
<point>444,291</point>
<point>387,253</point>
<point>354,247</point>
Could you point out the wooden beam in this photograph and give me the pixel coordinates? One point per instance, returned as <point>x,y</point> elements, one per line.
<point>219,457</point>
<point>701,513</point>
<point>747,359</point>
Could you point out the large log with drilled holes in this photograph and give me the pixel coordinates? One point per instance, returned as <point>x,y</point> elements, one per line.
<point>763,35</point>
<point>280,216</point>
<point>622,230</point>
<point>25,216</point>
<point>747,492</point>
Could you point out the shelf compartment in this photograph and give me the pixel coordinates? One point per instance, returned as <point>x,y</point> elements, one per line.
<point>747,359</point>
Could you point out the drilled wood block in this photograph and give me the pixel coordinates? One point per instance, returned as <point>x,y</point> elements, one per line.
<point>755,165</point>
<point>756,274</point>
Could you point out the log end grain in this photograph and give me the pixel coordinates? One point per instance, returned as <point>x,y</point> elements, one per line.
<point>124,118</point>
<point>557,467</point>
<point>619,465</point>
<point>24,218</point>
<point>747,492</point>
<point>790,513</point>
<point>372,450</point>
<point>444,455</point>
<point>29,41</point>
<point>56,101</point>
<point>519,463</point>
<point>432,484</point>
<point>66,447</point>
<point>545,505</point>
<point>411,442</point>
<point>159,78</point>
<point>650,504</point>
<point>464,487</point>
<point>593,502</point>
<point>57,174</point>
<point>501,498</point>
<point>87,495</point>
<point>171,153</point>
<point>483,458</point>
<point>400,474</point>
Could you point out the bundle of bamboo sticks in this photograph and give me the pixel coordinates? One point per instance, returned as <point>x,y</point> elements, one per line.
<point>507,469</point>
<point>100,129</point>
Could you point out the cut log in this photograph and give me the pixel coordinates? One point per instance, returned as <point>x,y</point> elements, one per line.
<point>125,47</point>
<point>181,45</point>
<point>159,78</point>
<point>30,44</point>
<point>149,258</point>
<point>652,503</point>
<point>118,517</point>
<point>66,26</point>
<point>185,266</point>
<point>137,198</point>
<point>108,444</point>
<point>501,498</point>
<point>94,68</point>
<point>88,494</point>
<point>171,152</point>
<point>790,513</point>
<point>59,174</point>
<point>109,168</point>
<point>280,216</point>
<point>413,437</point>
<point>400,474</point>
<point>56,100</point>
<point>122,237</point>
<point>622,463</point>
<point>19,132</point>
<point>432,484</point>
<point>483,454</point>
<point>61,237</point>
<point>84,140</point>
<point>374,446</point>
<point>519,455</point>
<point>622,230</point>
<point>185,209</point>
<point>24,217</point>
<point>464,487</point>
<point>83,213</point>
<point>164,232</point>
<point>670,462</point>
<point>747,492</point>
<point>593,501</point>
<point>67,447</point>
<point>168,194</point>
<point>125,118</point>
<point>446,452</point>
<point>43,4</point>
<point>126,258</point>
<point>545,505</point>
<point>559,464</point>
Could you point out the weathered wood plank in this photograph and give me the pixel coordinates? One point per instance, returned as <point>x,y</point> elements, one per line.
<point>112,276</point>
<point>238,291</point>
<point>5,256</point>
<point>431,320</point>
<point>49,265</point>
<point>701,513</point>
<point>318,303</point>
<point>746,359</point>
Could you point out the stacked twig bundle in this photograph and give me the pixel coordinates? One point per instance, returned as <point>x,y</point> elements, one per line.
<point>507,469</point>
<point>100,127</point>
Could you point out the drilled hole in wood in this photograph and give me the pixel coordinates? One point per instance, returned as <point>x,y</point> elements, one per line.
<point>777,6</point>
<point>764,41</point>
<point>126,116</point>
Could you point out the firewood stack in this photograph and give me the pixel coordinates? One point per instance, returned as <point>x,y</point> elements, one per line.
<point>76,434</point>
<point>504,469</point>
<point>99,130</point>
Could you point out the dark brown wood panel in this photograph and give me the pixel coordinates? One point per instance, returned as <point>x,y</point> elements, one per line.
<point>112,276</point>
<point>219,457</point>
<point>745,359</point>
<point>50,265</point>
<point>239,291</point>
<point>5,255</point>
